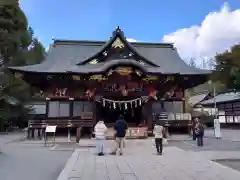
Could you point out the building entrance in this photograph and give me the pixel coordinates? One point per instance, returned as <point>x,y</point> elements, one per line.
<point>132,115</point>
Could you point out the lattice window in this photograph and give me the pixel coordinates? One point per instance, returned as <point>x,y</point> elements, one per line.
<point>59,109</point>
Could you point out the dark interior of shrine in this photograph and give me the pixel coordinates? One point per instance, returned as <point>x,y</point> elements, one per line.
<point>132,115</point>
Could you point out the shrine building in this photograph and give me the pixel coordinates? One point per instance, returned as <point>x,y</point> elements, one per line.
<point>81,82</point>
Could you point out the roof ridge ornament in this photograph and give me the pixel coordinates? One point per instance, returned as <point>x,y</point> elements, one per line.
<point>117,31</point>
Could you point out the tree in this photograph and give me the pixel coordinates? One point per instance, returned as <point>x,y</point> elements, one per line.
<point>211,63</point>
<point>14,95</point>
<point>18,46</point>
<point>227,68</point>
<point>192,62</point>
<point>14,36</point>
<point>34,53</point>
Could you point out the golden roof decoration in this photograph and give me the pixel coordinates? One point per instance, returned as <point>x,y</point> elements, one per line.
<point>93,61</point>
<point>118,43</point>
<point>97,77</point>
<point>124,70</point>
<point>170,78</point>
<point>76,78</point>
<point>150,78</point>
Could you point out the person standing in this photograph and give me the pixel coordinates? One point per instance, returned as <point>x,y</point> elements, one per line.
<point>100,131</point>
<point>158,132</point>
<point>194,121</point>
<point>199,131</point>
<point>120,132</point>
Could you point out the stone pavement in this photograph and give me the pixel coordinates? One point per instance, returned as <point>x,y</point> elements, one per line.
<point>140,162</point>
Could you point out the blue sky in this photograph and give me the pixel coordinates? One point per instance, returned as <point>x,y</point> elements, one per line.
<point>96,19</point>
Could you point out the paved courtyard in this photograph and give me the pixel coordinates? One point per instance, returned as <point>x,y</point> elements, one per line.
<point>141,163</point>
<point>20,160</point>
<point>181,159</point>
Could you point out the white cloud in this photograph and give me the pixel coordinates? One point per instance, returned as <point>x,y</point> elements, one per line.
<point>217,32</point>
<point>131,40</point>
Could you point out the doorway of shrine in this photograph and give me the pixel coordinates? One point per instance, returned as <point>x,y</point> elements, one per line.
<point>132,114</point>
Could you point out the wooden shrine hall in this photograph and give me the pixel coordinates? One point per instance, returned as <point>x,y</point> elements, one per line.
<point>81,82</point>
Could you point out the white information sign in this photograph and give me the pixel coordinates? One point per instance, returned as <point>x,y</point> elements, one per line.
<point>217,129</point>
<point>51,129</point>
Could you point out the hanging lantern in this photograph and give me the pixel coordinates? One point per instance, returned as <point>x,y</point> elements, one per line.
<point>104,103</point>
<point>125,105</point>
<point>140,102</point>
<point>114,105</point>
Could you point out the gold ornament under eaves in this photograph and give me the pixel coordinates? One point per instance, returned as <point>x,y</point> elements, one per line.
<point>18,75</point>
<point>93,61</point>
<point>118,43</point>
<point>76,78</point>
<point>97,77</point>
<point>124,70</point>
<point>170,78</point>
<point>150,78</point>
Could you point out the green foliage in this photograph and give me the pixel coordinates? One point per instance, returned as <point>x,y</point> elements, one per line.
<point>18,47</point>
<point>227,68</point>
<point>14,95</point>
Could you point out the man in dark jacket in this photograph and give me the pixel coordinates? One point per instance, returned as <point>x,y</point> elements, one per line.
<point>120,132</point>
<point>199,131</point>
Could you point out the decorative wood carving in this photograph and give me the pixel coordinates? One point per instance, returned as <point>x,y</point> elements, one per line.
<point>90,93</point>
<point>150,78</point>
<point>124,71</point>
<point>76,78</point>
<point>98,77</point>
<point>93,61</point>
<point>152,93</point>
<point>118,43</point>
<point>129,87</point>
<point>61,92</point>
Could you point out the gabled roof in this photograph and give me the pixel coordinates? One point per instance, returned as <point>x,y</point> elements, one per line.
<point>222,98</point>
<point>66,54</point>
<point>118,35</point>
<point>196,99</point>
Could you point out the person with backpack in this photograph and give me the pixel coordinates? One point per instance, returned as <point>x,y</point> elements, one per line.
<point>199,131</point>
<point>159,134</point>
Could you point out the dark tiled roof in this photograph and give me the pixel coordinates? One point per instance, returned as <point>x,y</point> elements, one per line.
<point>193,100</point>
<point>66,55</point>
<point>222,98</point>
